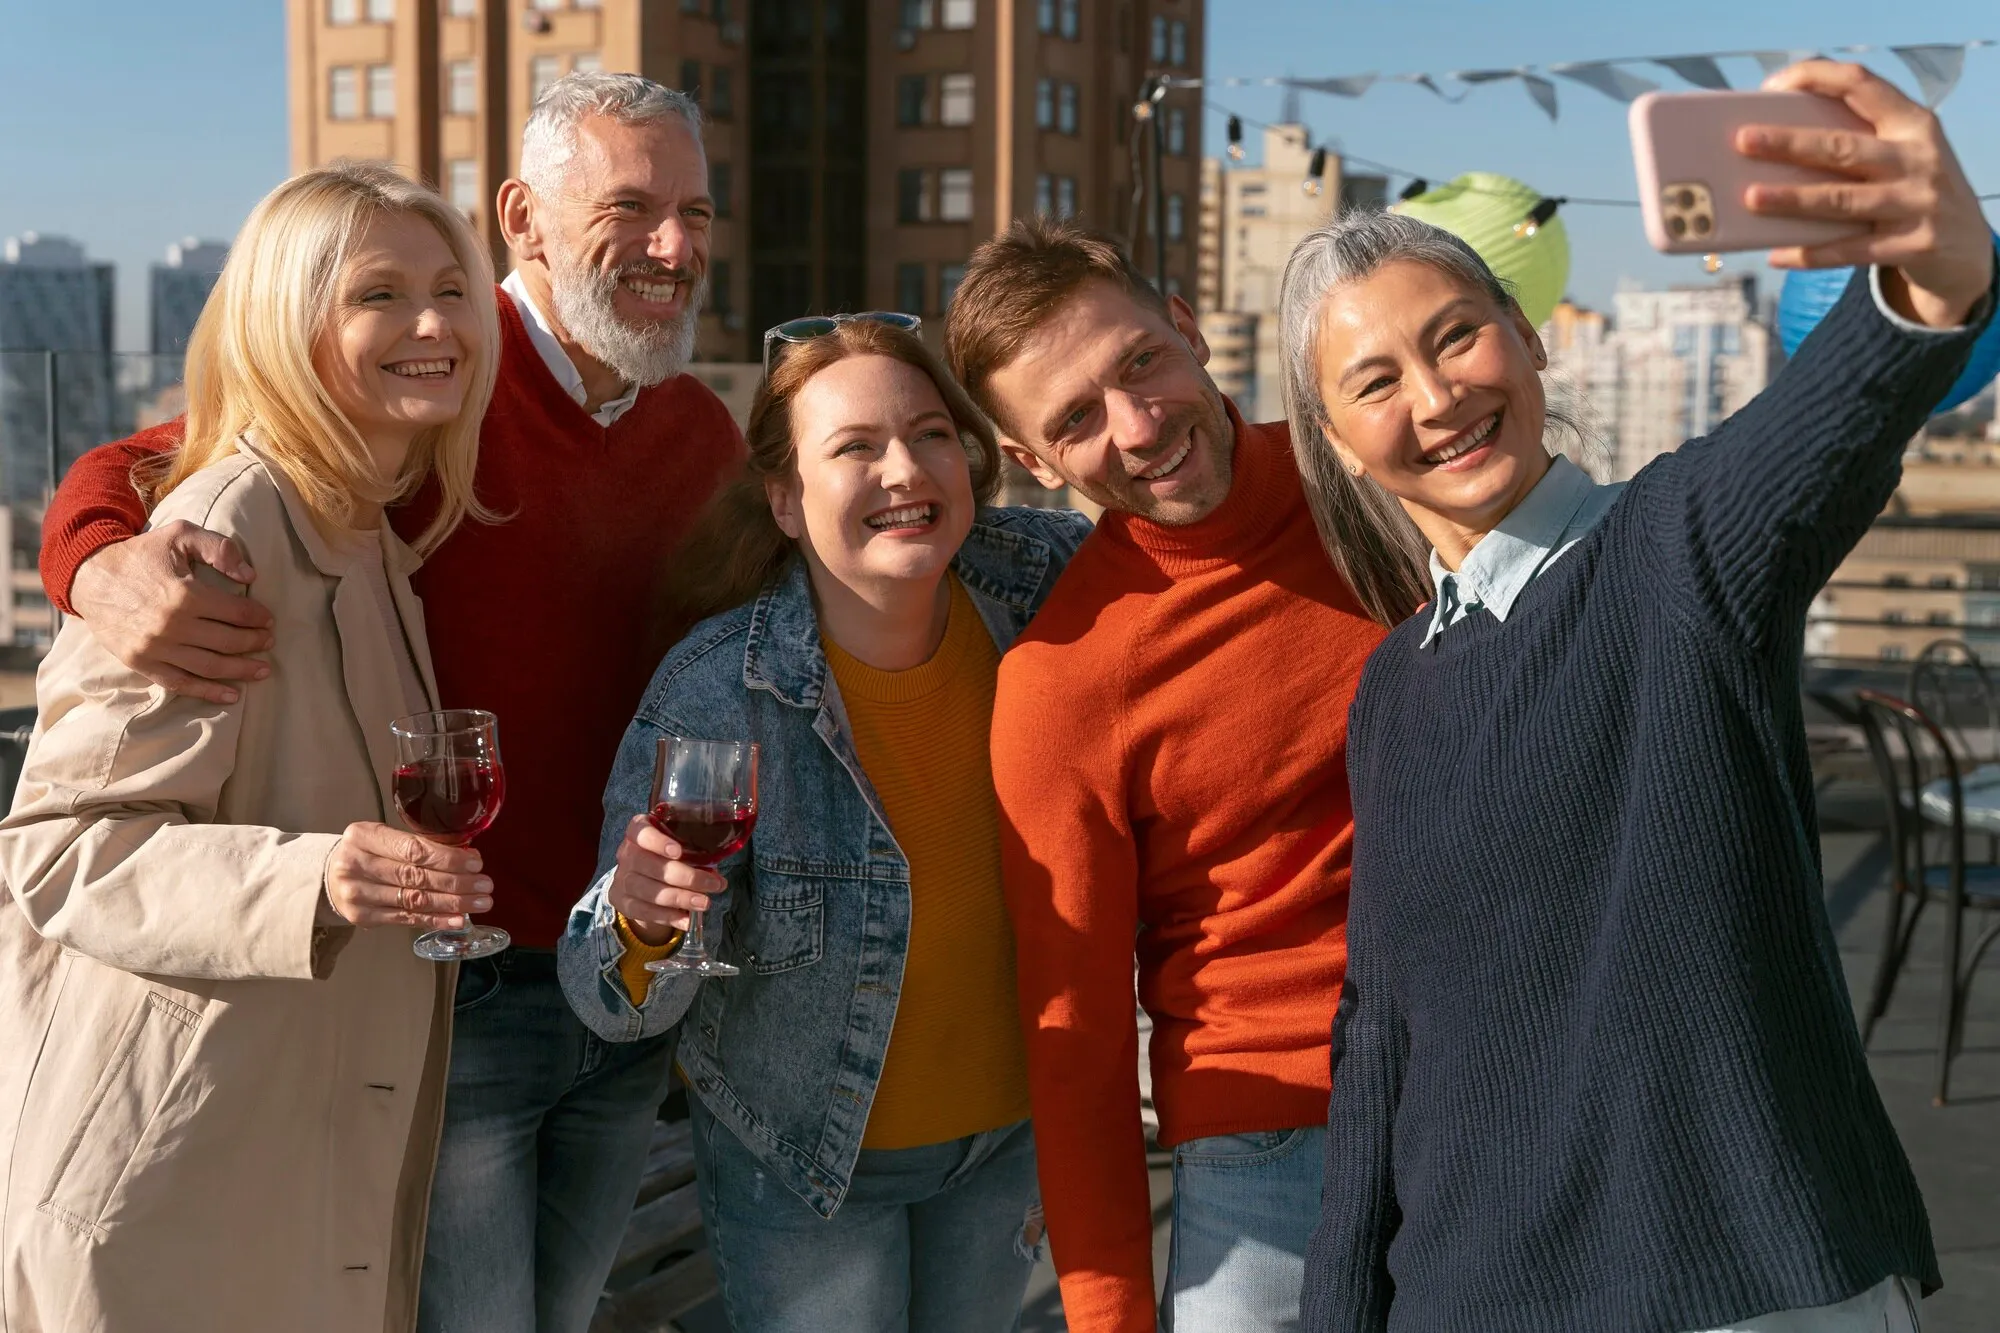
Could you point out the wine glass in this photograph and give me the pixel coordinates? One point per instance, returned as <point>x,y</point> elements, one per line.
<point>449,785</point>
<point>705,799</point>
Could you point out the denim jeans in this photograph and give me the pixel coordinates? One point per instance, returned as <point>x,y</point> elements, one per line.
<point>1890,1306</point>
<point>1244,1207</point>
<point>546,1130</point>
<point>937,1239</point>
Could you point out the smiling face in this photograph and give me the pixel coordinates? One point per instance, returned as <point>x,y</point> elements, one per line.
<point>1431,388</point>
<point>1109,396</point>
<point>882,488</point>
<point>625,238</point>
<point>396,354</point>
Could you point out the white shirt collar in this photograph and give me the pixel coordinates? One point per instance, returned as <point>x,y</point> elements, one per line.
<point>557,360</point>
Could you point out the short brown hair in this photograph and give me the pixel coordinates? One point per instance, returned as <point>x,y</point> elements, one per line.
<point>1014,282</point>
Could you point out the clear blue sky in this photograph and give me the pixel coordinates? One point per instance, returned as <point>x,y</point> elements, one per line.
<point>128,124</point>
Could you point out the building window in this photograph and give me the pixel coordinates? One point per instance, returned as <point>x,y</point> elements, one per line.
<point>461,185</point>
<point>1177,44</point>
<point>916,15</point>
<point>913,93</point>
<point>461,9</point>
<point>1942,581</point>
<point>1045,194</point>
<point>589,4</point>
<point>1068,20</point>
<point>1065,196</point>
<point>1939,617</point>
<point>1045,104</point>
<point>692,6</point>
<point>1892,652</point>
<point>1176,224</point>
<point>910,288</point>
<point>955,194</point>
<point>959,14</point>
<point>546,4</point>
<point>691,78</point>
<point>949,276</point>
<point>1895,580</point>
<point>343,99</point>
<point>1045,15</point>
<point>955,99</point>
<point>1159,39</point>
<point>1176,131</point>
<point>462,88</point>
<point>382,91</point>
<point>1894,617</point>
<point>381,11</point>
<point>721,291</point>
<point>913,195</point>
<point>586,62</point>
<point>721,96</point>
<point>340,13</point>
<point>1066,117</point>
<point>722,188</point>
<point>542,71</point>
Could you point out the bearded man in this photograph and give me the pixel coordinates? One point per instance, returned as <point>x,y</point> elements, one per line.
<point>596,452</point>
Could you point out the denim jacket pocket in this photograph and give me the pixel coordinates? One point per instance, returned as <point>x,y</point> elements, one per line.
<point>784,924</point>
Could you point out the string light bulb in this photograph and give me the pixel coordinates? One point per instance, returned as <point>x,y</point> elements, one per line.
<point>1418,185</point>
<point>1142,110</point>
<point>1235,138</point>
<point>1312,185</point>
<point>1537,216</point>
<point>1711,263</point>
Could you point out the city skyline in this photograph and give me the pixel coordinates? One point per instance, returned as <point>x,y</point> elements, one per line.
<point>197,130</point>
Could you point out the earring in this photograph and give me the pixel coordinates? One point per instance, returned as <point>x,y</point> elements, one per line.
<point>1354,469</point>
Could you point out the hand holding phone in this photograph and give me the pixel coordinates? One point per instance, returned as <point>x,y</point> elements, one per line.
<point>1865,178</point>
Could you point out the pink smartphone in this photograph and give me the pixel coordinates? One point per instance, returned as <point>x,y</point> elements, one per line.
<point>1692,179</point>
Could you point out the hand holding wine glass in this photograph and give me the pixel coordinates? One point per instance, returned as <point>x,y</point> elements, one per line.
<point>382,876</point>
<point>653,888</point>
<point>705,800</point>
<point>449,784</point>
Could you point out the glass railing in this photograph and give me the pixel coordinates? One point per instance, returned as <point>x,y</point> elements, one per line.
<point>54,406</point>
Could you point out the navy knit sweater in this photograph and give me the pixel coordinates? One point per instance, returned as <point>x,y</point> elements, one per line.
<point>1594,1066</point>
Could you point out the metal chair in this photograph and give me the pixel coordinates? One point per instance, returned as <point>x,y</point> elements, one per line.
<point>1929,765</point>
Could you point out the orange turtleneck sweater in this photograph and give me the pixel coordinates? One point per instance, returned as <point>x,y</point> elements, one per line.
<point>1169,748</point>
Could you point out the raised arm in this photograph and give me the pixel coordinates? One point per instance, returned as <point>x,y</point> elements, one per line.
<point>136,587</point>
<point>1759,514</point>
<point>1072,880</point>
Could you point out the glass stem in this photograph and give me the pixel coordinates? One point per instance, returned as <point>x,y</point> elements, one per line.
<point>692,946</point>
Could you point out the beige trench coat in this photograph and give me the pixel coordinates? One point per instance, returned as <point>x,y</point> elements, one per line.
<point>217,1115</point>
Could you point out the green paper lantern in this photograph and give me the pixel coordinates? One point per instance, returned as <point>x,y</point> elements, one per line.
<point>1483,210</point>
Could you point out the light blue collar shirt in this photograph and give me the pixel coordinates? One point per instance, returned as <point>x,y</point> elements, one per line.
<point>1564,505</point>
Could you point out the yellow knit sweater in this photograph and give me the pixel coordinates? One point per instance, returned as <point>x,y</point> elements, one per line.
<point>955,1064</point>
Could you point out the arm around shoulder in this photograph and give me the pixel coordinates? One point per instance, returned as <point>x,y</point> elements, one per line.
<point>96,506</point>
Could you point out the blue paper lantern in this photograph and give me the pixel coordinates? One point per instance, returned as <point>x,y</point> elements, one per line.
<point>1809,293</point>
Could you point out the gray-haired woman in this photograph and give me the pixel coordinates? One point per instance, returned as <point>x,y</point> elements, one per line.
<point>1594,1064</point>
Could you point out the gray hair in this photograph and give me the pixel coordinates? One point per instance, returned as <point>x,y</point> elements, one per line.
<point>1367,534</point>
<point>549,139</point>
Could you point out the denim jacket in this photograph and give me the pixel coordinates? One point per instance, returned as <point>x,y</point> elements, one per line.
<point>817,910</point>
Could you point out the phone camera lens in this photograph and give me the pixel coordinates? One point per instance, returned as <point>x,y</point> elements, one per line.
<point>1685,198</point>
<point>1701,224</point>
<point>1677,225</point>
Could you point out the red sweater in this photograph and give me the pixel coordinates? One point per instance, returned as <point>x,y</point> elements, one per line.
<point>541,618</point>
<point>1169,749</point>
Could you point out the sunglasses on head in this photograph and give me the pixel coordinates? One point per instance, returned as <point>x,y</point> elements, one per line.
<point>807,327</point>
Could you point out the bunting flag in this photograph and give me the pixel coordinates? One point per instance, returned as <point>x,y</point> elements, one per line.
<point>1936,67</point>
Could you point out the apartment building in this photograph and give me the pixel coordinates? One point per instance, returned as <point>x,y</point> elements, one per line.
<point>858,149</point>
<point>1689,356</point>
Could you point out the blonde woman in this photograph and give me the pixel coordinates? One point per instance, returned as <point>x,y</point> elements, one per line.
<point>221,1066</point>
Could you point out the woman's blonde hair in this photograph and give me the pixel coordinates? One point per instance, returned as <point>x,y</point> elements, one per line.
<point>250,359</point>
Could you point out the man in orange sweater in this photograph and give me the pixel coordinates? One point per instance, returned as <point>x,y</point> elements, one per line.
<point>1169,751</point>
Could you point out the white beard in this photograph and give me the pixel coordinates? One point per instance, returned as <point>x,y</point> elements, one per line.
<point>641,354</point>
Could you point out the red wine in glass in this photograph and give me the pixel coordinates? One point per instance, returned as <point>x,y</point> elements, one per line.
<point>707,834</point>
<point>705,799</point>
<point>448,785</point>
<point>451,801</point>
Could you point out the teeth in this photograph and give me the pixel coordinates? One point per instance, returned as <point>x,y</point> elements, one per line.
<point>1471,442</point>
<point>418,370</point>
<point>908,516</point>
<point>652,291</point>
<point>1163,469</point>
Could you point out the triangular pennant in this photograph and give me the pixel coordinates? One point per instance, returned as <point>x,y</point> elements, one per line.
<point>1773,61</point>
<point>1426,81</point>
<point>1542,91</point>
<point>1936,67</point>
<point>1615,83</point>
<point>1701,71</point>
<point>1353,85</point>
<point>1484,75</point>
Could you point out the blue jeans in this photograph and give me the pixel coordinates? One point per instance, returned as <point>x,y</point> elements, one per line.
<point>546,1130</point>
<point>1244,1207</point>
<point>937,1239</point>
